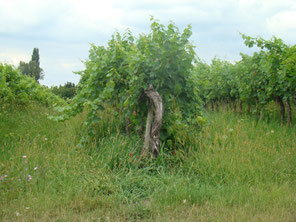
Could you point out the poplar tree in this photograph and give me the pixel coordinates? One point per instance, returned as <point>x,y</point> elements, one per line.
<point>32,68</point>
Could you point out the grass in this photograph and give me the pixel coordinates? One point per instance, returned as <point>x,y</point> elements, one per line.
<point>238,169</point>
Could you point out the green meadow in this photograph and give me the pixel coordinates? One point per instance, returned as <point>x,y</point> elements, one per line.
<point>236,169</point>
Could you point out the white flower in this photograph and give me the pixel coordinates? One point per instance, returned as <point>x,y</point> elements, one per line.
<point>24,156</point>
<point>45,138</point>
<point>272,131</point>
<point>184,201</point>
<point>29,177</point>
<point>5,176</point>
<point>27,208</point>
<point>35,168</point>
<point>17,214</point>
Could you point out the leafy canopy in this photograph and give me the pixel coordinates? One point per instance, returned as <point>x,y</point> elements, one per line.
<point>16,88</point>
<point>119,73</point>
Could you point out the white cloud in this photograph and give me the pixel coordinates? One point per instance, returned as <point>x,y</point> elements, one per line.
<point>13,57</point>
<point>92,16</point>
<point>17,16</point>
<point>283,25</point>
<point>282,22</point>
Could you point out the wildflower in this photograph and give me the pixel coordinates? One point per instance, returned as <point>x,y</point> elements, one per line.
<point>272,131</point>
<point>35,168</point>
<point>45,138</point>
<point>24,156</point>
<point>17,214</point>
<point>29,177</point>
<point>2,177</point>
<point>27,208</point>
<point>184,201</point>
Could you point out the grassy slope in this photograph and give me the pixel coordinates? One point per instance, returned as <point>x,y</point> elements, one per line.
<point>239,170</point>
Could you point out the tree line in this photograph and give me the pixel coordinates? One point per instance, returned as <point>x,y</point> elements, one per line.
<point>66,91</point>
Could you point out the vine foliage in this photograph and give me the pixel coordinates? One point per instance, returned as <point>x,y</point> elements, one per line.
<point>19,89</point>
<point>119,74</point>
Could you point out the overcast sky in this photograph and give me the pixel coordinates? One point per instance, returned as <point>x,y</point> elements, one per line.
<point>63,29</point>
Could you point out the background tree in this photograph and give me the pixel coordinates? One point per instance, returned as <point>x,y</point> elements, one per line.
<point>66,91</point>
<point>32,68</point>
<point>24,68</point>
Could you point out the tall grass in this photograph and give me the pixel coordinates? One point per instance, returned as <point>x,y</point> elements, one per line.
<point>238,169</point>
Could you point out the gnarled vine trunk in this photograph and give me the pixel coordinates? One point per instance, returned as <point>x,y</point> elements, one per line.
<point>152,132</point>
<point>147,136</point>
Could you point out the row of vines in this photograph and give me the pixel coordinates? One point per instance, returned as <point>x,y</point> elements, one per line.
<point>267,76</point>
<point>19,89</point>
<point>159,84</point>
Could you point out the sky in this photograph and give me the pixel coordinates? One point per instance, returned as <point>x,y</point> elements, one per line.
<point>64,29</point>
